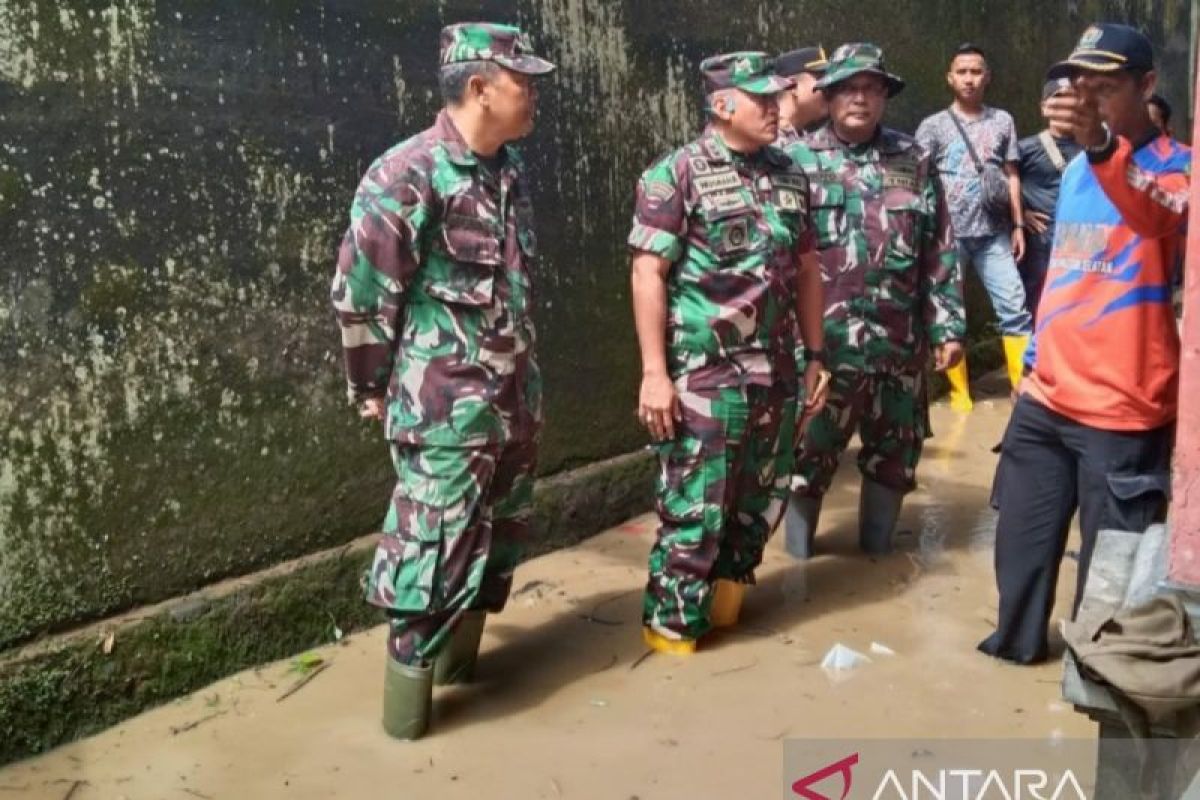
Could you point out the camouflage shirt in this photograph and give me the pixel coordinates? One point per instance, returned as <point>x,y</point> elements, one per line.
<point>433,293</point>
<point>788,136</point>
<point>892,281</point>
<point>733,227</point>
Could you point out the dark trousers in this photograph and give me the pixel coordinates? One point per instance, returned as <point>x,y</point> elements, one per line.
<point>1051,465</point>
<point>1033,268</point>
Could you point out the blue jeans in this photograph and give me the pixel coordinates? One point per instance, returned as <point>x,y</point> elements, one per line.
<point>992,258</point>
<point>1033,268</point>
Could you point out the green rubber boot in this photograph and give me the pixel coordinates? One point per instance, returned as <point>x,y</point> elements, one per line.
<point>407,699</point>
<point>800,525</point>
<point>456,662</point>
<point>878,509</point>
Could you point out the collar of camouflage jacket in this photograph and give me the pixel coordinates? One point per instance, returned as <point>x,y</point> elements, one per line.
<point>886,141</point>
<point>456,146</point>
<point>717,152</point>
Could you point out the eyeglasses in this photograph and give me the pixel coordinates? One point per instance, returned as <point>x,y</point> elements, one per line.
<point>870,89</point>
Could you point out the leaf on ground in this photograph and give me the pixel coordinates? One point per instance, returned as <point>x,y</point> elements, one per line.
<point>306,662</point>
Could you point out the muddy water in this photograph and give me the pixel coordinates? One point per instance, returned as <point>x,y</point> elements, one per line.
<point>566,707</point>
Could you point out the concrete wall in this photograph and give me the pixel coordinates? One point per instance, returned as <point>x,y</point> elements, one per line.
<point>174,176</point>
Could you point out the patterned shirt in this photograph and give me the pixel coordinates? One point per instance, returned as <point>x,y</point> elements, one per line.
<point>994,137</point>
<point>892,279</point>
<point>433,293</point>
<point>733,227</point>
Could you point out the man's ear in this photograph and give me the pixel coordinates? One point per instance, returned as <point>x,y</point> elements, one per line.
<point>1149,83</point>
<point>476,88</point>
<point>722,105</point>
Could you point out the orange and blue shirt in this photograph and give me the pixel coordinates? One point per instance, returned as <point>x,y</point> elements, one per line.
<point>1106,349</point>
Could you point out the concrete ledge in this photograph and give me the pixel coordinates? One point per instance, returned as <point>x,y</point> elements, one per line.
<point>66,687</point>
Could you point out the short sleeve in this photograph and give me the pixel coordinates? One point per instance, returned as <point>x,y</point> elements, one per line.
<point>659,217</point>
<point>926,136</point>
<point>1011,152</point>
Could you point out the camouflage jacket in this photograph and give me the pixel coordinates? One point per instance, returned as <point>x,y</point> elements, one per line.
<point>733,228</point>
<point>893,285</point>
<point>787,137</point>
<point>433,293</point>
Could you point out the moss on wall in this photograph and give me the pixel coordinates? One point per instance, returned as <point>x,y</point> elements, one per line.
<point>72,688</point>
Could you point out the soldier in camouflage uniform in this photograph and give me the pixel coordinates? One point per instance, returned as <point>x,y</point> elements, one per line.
<point>722,255</point>
<point>802,108</point>
<point>893,291</point>
<point>433,294</point>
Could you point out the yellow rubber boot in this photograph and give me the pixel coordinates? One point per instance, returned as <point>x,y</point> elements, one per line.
<point>660,643</point>
<point>1014,354</point>
<point>960,387</point>
<point>726,603</point>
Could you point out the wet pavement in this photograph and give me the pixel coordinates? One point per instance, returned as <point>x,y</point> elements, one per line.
<point>568,705</point>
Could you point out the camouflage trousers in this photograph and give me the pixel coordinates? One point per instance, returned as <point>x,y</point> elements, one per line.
<point>454,532</point>
<point>720,493</point>
<point>891,414</point>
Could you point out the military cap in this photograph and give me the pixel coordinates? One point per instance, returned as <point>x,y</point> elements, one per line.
<point>1107,47</point>
<point>749,71</point>
<point>857,58</point>
<point>805,59</point>
<point>505,45</point>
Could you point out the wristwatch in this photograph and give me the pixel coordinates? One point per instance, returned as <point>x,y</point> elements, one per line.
<point>814,355</point>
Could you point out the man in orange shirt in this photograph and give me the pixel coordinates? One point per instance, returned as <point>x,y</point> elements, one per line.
<point>1094,425</point>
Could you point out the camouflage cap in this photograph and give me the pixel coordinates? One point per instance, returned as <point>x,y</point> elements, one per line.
<point>505,45</point>
<point>854,59</point>
<point>749,71</point>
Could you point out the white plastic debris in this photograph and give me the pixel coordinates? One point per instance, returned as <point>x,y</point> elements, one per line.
<point>843,659</point>
<point>881,649</point>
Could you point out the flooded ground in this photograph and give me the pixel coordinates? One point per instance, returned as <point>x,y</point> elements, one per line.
<point>568,706</point>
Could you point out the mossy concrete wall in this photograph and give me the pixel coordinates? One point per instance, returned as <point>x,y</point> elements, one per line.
<point>174,176</point>
<point>64,687</point>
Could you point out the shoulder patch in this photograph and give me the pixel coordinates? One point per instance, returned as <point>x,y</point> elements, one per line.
<point>699,165</point>
<point>660,191</point>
